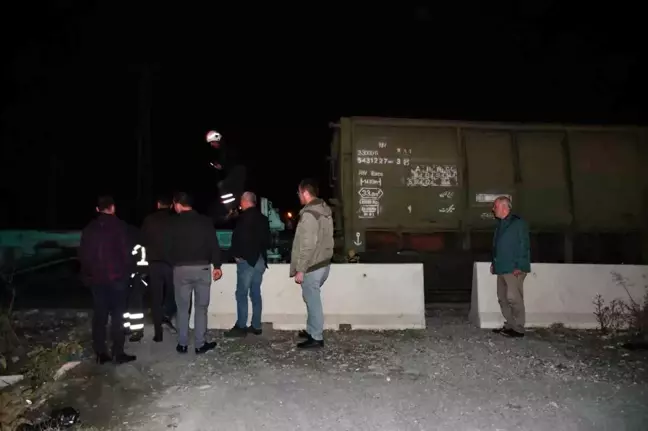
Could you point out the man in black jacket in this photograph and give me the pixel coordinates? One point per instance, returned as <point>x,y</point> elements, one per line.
<point>154,231</point>
<point>192,246</point>
<point>250,243</point>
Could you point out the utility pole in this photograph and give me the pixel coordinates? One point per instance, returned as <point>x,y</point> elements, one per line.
<point>144,162</point>
<point>52,195</point>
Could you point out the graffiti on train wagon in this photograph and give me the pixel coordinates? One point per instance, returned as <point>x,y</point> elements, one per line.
<point>433,176</point>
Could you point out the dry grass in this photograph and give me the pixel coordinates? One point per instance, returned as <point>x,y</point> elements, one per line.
<point>623,315</point>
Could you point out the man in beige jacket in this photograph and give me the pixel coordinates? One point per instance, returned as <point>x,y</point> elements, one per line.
<point>310,262</point>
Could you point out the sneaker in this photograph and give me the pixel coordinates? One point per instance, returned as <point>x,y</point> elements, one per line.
<point>168,322</point>
<point>102,358</point>
<point>254,331</point>
<point>512,333</point>
<point>311,343</point>
<point>123,358</point>
<point>206,348</point>
<point>236,332</point>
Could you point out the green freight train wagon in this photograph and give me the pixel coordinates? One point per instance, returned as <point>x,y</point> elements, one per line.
<point>423,190</point>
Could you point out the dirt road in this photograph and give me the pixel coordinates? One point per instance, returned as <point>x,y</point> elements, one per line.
<point>450,377</point>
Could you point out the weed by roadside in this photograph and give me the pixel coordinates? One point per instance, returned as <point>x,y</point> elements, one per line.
<point>630,314</point>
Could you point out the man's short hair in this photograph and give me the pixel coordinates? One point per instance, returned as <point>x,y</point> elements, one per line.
<point>183,198</point>
<point>164,200</point>
<point>250,197</point>
<point>104,202</point>
<point>506,200</point>
<point>310,186</point>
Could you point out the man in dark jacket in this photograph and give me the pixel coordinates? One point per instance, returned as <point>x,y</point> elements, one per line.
<point>511,263</point>
<point>250,243</point>
<point>192,245</point>
<point>105,258</point>
<point>154,231</point>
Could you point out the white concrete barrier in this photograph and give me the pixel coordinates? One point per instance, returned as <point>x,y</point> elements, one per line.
<point>365,296</point>
<point>558,293</point>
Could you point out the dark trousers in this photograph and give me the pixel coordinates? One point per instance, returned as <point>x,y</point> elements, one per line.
<point>162,293</point>
<point>136,294</point>
<point>134,316</point>
<point>109,299</point>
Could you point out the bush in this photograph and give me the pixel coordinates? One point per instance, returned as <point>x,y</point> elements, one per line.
<point>12,409</point>
<point>42,363</point>
<point>8,338</point>
<point>618,315</point>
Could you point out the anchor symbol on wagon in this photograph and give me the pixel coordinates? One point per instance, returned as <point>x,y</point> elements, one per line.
<point>357,241</point>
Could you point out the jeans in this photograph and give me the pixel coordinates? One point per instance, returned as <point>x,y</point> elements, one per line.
<point>248,282</point>
<point>190,279</point>
<point>311,292</point>
<point>109,299</point>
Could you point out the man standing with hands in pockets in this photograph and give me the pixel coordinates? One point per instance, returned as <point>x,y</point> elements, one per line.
<point>310,262</point>
<point>250,243</point>
<point>511,263</point>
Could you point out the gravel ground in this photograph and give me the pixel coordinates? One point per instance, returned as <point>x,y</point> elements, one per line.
<point>451,376</point>
<point>43,329</point>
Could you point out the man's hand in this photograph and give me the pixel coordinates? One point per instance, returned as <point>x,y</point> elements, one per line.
<point>217,274</point>
<point>238,260</point>
<point>492,269</point>
<point>517,272</point>
<point>299,278</point>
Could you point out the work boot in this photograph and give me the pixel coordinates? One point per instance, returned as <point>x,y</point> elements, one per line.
<point>181,349</point>
<point>136,336</point>
<point>303,334</point>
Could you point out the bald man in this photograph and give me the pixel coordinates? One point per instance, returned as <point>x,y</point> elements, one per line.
<point>511,264</point>
<point>250,243</point>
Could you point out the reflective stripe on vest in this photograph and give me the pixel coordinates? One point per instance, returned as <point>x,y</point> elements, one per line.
<point>142,250</point>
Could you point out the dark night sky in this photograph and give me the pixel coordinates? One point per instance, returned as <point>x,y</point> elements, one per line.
<point>270,78</point>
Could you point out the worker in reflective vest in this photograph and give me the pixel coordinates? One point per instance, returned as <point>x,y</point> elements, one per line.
<point>134,317</point>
